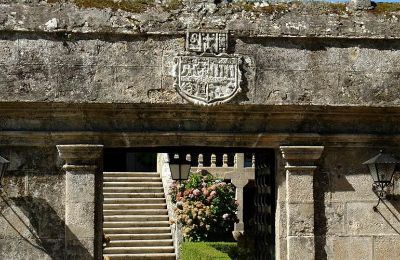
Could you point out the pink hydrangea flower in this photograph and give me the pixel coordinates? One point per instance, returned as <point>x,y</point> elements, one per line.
<point>196,192</point>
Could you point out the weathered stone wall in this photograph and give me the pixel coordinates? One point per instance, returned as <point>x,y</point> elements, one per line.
<point>32,205</point>
<point>132,69</point>
<point>345,225</point>
<point>312,75</point>
<point>104,56</point>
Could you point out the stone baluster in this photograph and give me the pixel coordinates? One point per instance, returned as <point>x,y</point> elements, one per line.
<point>300,168</point>
<point>188,157</point>
<point>83,213</point>
<point>253,160</point>
<point>213,160</point>
<point>225,160</point>
<point>200,160</point>
<point>239,183</point>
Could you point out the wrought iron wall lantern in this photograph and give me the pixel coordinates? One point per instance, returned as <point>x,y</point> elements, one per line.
<point>382,168</point>
<point>179,167</point>
<point>4,163</point>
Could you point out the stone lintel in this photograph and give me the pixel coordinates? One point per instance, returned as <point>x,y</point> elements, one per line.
<point>80,155</point>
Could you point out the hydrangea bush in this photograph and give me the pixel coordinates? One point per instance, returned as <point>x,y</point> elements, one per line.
<point>204,206</point>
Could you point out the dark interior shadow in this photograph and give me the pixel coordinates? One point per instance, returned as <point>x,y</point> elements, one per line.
<point>321,184</point>
<point>45,225</point>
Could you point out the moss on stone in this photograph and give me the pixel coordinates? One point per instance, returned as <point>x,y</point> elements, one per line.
<point>386,8</point>
<point>296,6</point>
<point>134,6</point>
<point>173,5</point>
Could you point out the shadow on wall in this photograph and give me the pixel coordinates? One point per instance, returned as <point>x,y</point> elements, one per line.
<point>44,225</point>
<point>395,201</point>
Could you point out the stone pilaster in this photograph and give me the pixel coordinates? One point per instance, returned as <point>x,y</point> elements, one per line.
<point>300,168</point>
<point>83,235</point>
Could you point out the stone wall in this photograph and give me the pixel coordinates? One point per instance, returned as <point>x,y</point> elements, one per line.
<point>312,75</point>
<point>133,69</point>
<point>345,224</point>
<point>32,205</point>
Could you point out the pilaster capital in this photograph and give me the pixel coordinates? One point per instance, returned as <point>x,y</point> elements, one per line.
<point>296,156</point>
<point>80,154</point>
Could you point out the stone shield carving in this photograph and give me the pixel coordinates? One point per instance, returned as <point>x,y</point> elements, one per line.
<point>207,79</point>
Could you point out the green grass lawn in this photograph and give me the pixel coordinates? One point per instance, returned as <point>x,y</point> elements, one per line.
<point>208,250</point>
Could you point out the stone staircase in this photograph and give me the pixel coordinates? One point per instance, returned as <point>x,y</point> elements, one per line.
<point>136,217</point>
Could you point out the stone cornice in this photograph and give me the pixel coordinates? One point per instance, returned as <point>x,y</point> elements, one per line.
<point>173,139</point>
<point>290,21</point>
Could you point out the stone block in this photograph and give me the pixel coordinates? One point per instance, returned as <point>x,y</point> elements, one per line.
<point>386,247</point>
<point>71,51</point>
<point>300,248</point>
<point>335,219</point>
<point>33,50</point>
<point>81,82</point>
<point>281,249</point>
<point>349,180</point>
<point>27,82</point>
<point>8,51</point>
<point>134,83</point>
<point>370,59</point>
<point>362,220</point>
<point>299,187</point>
<point>355,248</point>
<point>15,221</point>
<point>133,52</point>
<point>281,217</point>
<point>38,216</point>
<point>300,87</point>
<point>80,187</point>
<point>18,248</point>
<point>301,219</point>
<point>79,220</point>
<point>369,88</point>
<point>79,249</point>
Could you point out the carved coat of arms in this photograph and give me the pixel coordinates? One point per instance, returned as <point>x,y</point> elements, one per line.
<point>211,77</point>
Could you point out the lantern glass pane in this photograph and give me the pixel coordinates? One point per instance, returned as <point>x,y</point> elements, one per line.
<point>374,173</point>
<point>185,168</point>
<point>385,171</point>
<point>174,171</point>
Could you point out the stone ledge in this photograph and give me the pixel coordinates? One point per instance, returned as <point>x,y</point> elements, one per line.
<point>246,21</point>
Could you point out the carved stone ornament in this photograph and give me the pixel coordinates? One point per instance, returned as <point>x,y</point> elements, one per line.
<point>208,78</point>
<point>207,42</point>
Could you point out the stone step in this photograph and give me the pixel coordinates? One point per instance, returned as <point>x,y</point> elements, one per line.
<point>135,206</point>
<point>133,195</point>
<point>143,236</point>
<point>132,184</point>
<point>132,179</point>
<point>131,174</point>
<point>133,189</point>
<point>136,218</point>
<point>136,230</point>
<point>108,212</point>
<point>148,256</point>
<point>133,200</point>
<point>133,243</point>
<point>117,224</point>
<point>142,249</point>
